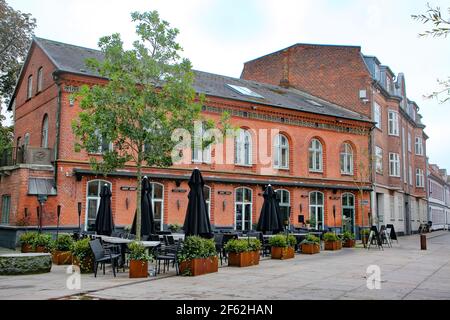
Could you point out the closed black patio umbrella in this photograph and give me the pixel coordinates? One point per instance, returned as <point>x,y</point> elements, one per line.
<point>147,220</point>
<point>104,224</point>
<point>197,221</point>
<point>270,218</point>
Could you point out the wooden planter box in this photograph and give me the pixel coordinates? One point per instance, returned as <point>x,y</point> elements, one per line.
<point>197,267</point>
<point>243,259</point>
<point>138,269</point>
<point>349,243</point>
<point>88,264</point>
<point>283,253</point>
<point>333,245</point>
<point>62,257</point>
<point>310,248</point>
<point>27,248</point>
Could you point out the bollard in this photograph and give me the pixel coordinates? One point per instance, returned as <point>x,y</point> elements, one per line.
<point>423,242</point>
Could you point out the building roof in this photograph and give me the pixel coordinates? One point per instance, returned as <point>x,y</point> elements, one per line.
<point>70,58</point>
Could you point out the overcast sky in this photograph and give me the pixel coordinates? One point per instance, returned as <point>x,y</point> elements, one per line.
<point>218,36</point>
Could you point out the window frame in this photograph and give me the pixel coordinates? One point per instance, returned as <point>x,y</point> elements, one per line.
<point>393,123</point>
<point>315,155</point>
<point>44,132</point>
<point>30,87</point>
<point>419,146</point>
<point>278,148</point>
<point>394,159</point>
<point>346,159</point>
<point>40,80</point>
<point>5,209</point>
<point>379,160</point>
<point>377,115</point>
<point>243,143</point>
<point>244,204</point>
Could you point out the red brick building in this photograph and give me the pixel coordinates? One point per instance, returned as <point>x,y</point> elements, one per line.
<point>344,75</point>
<point>309,149</point>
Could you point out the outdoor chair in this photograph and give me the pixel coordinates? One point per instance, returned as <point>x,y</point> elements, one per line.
<point>145,238</point>
<point>101,256</point>
<point>167,255</point>
<point>153,237</point>
<point>115,234</point>
<point>218,240</point>
<point>131,236</point>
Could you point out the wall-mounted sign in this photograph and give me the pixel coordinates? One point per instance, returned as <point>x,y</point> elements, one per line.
<point>71,89</point>
<point>179,190</point>
<point>226,193</point>
<point>128,188</point>
<point>365,202</point>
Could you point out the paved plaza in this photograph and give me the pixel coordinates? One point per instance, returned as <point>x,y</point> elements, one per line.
<point>406,273</point>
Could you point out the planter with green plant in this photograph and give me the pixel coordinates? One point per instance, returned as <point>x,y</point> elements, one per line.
<point>348,239</point>
<point>139,259</point>
<point>42,243</point>
<point>27,241</point>
<point>243,252</point>
<point>61,254</point>
<point>83,256</point>
<point>332,241</point>
<point>365,235</point>
<point>198,256</point>
<point>311,244</point>
<point>282,246</point>
<point>174,228</point>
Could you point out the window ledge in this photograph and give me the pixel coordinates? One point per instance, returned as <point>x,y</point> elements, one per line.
<point>315,171</point>
<point>347,174</point>
<point>243,165</point>
<point>282,169</point>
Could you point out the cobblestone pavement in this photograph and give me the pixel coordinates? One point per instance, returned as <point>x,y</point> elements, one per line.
<point>406,273</point>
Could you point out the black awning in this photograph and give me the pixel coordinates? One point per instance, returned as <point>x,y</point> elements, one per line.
<point>41,186</point>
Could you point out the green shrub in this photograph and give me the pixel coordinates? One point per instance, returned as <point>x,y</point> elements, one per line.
<point>330,236</point>
<point>138,252</point>
<point>175,227</point>
<point>347,235</point>
<point>28,237</point>
<point>311,239</point>
<point>282,241</point>
<point>43,240</point>
<point>365,232</point>
<point>242,245</point>
<point>64,242</point>
<point>81,249</point>
<point>195,247</point>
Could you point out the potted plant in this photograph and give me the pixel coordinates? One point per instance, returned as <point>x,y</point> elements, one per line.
<point>365,235</point>
<point>82,255</point>
<point>42,243</point>
<point>198,256</point>
<point>174,227</point>
<point>348,239</point>
<point>282,246</point>
<point>139,259</point>
<point>311,244</point>
<point>61,254</point>
<point>27,240</point>
<point>243,253</point>
<point>332,241</point>
<point>308,223</point>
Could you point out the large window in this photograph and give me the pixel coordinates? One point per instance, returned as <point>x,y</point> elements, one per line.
<point>281,152</point>
<point>409,142</point>
<point>44,133</point>
<point>158,204</point>
<point>420,180</point>
<point>40,82</point>
<point>419,146</point>
<point>348,212</point>
<point>394,165</point>
<point>243,148</point>
<point>379,160</point>
<point>243,209</point>
<point>346,156</point>
<point>200,154</point>
<point>315,156</point>
<point>377,115</point>
<point>94,189</point>
<point>284,201</point>
<point>393,123</point>
<point>207,194</point>
<point>30,87</point>
<point>104,145</point>
<point>316,210</point>
<point>6,207</point>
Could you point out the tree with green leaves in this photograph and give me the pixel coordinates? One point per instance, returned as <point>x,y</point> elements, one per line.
<point>148,96</point>
<point>441,28</point>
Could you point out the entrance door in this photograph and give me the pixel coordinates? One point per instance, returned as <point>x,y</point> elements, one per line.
<point>348,212</point>
<point>407,219</point>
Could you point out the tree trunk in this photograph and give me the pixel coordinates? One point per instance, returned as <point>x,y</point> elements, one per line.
<point>138,202</point>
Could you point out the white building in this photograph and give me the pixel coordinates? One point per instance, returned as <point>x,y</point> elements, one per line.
<point>438,197</point>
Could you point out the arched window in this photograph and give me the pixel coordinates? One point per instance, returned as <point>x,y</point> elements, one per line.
<point>281,152</point>
<point>284,198</point>
<point>44,133</point>
<point>243,148</point>
<point>94,188</point>
<point>346,156</point>
<point>348,212</point>
<point>316,210</point>
<point>158,204</point>
<point>30,87</point>
<point>40,79</point>
<point>315,156</point>
<point>207,194</point>
<point>243,209</point>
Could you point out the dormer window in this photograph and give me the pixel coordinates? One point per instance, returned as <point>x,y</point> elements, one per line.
<point>30,87</point>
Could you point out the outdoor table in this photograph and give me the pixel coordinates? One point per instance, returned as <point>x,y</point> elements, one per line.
<point>123,242</point>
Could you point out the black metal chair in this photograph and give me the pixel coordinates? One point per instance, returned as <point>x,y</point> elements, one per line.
<point>218,239</point>
<point>167,254</point>
<point>154,237</point>
<point>101,256</point>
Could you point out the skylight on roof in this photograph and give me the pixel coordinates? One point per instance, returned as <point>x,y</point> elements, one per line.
<point>315,103</point>
<point>245,91</point>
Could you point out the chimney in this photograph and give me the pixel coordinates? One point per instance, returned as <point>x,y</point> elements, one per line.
<point>284,82</point>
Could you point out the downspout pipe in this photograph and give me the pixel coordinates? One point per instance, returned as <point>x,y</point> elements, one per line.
<point>58,127</point>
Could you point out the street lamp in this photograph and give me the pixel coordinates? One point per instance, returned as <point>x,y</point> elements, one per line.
<point>42,198</point>
<point>58,213</point>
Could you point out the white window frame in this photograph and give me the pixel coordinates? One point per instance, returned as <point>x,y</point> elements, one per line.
<point>44,132</point>
<point>208,200</point>
<point>243,146</point>
<point>378,160</point>
<point>97,198</point>
<point>280,144</point>
<point>346,159</point>
<point>160,200</point>
<point>100,149</point>
<point>244,203</point>
<point>315,207</point>
<point>409,142</point>
<point>394,165</point>
<point>282,203</point>
<point>199,154</point>
<point>315,156</point>
<point>393,123</point>
<point>420,179</point>
<point>419,146</point>
<point>377,116</point>
<point>410,175</point>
